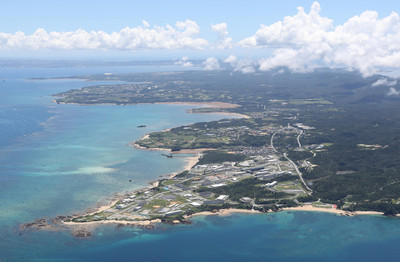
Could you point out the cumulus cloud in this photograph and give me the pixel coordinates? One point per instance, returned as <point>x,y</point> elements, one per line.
<point>211,63</point>
<point>184,62</point>
<point>298,60</point>
<point>384,82</point>
<point>232,60</point>
<point>224,41</point>
<point>293,30</point>
<point>301,42</point>
<point>182,36</point>
<point>387,82</point>
<point>306,40</point>
<point>246,66</point>
<point>393,92</point>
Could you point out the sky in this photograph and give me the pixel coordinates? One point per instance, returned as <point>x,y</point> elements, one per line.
<point>250,35</point>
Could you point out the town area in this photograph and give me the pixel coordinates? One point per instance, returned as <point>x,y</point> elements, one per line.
<point>263,179</point>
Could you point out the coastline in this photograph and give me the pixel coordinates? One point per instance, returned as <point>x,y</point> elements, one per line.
<point>216,105</point>
<point>224,212</point>
<point>190,162</point>
<point>121,222</point>
<point>205,104</point>
<point>201,104</point>
<point>220,212</point>
<point>227,113</point>
<point>307,208</point>
<point>85,229</point>
<point>311,208</point>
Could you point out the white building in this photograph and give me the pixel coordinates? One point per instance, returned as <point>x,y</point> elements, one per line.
<point>222,197</point>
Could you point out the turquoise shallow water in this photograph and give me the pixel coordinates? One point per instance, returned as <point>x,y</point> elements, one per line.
<point>82,156</point>
<point>283,236</point>
<point>61,159</point>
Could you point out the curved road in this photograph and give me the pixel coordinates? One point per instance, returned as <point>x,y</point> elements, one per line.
<point>272,139</point>
<point>294,164</point>
<point>298,172</point>
<point>298,138</point>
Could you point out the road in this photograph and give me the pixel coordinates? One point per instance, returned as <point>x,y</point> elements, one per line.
<point>294,164</point>
<point>298,138</point>
<point>272,139</point>
<point>298,172</point>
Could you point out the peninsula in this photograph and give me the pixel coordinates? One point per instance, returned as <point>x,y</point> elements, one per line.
<point>316,140</point>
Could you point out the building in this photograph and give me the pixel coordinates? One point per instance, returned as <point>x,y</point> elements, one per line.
<point>218,185</point>
<point>120,206</point>
<point>272,184</point>
<point>173,213</point>
<point>206,194</point>
<point>246,199</point>
<point>213,202</point>
<point>222,197</point>
<point>196,204</point>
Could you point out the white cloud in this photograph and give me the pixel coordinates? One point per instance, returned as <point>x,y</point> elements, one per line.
<point>293,30</point>
<point>247,69</point>
<point>301,42</point>
<point>384,82</point>
<point>232,60</point>
<point>245,66</point>
<point>306,40</point>
<point>221,29</point>
<point>211,63</point>
<point>184,62</point>
<point>393,92</point>
<point>182,36</point>
<point>281,71</point>
<point>145,23</point>
<point>224,41</point>
<point>299,60</point>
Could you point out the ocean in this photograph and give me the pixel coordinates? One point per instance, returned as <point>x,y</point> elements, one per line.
<point>62,159</point>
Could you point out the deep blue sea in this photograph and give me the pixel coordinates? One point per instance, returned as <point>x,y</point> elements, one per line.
<point>63,159</point>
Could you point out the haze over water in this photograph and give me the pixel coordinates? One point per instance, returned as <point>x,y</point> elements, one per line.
<point>62,159</point>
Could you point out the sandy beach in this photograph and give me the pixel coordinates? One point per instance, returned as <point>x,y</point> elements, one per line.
<point>221,212</point>
<point>93,224</point>
<point>224,212</point>
<point>105,207</point>
<point>198,104</point>
<point>208,105</point>
<point>331,210</point>
<point>191,161</point>
<point>201,104</point>
<point>104,222</point>
<point>309,208</point>
<point>228,114</point>
<point>230,211</point>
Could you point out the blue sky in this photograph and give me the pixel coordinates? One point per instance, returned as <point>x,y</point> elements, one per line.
<point>242,16</point>
<point>334,33</point>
